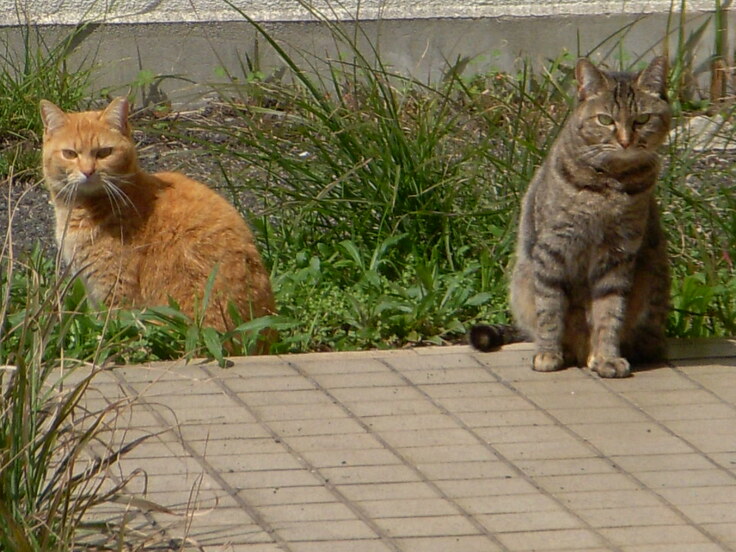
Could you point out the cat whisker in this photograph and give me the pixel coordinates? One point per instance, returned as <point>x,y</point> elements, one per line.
<point>118,198</point>
<point>596,156</point>
<point>119,179</point>
<point>68,192</point>
<point>115,196</point>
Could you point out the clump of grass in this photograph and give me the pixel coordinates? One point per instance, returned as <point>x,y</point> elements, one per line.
<point>49,479</point>
<point>699,214</point>
<point>697,192</point>
<point>84,332</point>
<point>37,70</point>
<point>388,204</point>
<point>41,70</point>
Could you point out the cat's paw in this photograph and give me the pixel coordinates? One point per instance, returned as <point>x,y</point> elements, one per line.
<point>548,362</point>
<point>615,367</point>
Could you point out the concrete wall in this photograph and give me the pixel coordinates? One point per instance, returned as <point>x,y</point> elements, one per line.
<point>190,40</point>
<point>170,11</point>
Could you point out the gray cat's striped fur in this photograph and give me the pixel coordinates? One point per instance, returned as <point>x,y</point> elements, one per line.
<point>591,280</point>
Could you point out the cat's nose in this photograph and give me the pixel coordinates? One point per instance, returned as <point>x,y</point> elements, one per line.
<point>624,138</point>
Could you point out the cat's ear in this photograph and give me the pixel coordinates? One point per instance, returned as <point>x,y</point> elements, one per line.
<point>53,117</point>
<point>653,79</point>
<point>591,80</point>
<point>116,115</point>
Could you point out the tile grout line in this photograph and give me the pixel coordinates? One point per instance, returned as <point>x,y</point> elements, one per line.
<point>173,542</point>
<point>209,469</point>
<point>600,454</point>
<point>306,464</point>
<point>670,432</point>
<point>404,461</point>
<point>529,479</point>
<point>664,427</point>
<point>509,384</point>
<point>678,370</point>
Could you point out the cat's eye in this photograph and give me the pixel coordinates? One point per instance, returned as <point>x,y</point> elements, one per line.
<point>642,119</point>
<point>103,152</point>
<point>69,154</point>
<point>605,120</point>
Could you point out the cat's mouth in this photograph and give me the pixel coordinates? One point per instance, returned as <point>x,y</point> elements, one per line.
<point>78,186</point>
<point>89,185</point>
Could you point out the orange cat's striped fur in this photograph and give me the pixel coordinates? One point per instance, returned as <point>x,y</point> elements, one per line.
<point>138,239</point>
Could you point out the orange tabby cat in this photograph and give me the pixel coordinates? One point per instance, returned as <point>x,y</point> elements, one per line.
<point>136,238</point>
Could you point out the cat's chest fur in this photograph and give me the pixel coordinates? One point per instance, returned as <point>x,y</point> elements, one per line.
<point>588,225</point>
<point>98,250</point>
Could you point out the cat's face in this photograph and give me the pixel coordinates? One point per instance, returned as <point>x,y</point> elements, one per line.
<point>622,116</point>
<point>87,154</point>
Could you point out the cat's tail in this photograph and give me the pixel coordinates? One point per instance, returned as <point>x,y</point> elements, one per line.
<point>487,337</point>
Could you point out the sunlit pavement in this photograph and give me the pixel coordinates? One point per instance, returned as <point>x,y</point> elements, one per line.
<point>431,449</point>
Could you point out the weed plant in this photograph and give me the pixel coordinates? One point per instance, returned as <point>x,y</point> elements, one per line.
<point>37,70</point>
<point>699,214</point>
<point>50,478</point>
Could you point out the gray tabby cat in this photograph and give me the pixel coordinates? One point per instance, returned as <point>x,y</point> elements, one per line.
<point>591,281</point>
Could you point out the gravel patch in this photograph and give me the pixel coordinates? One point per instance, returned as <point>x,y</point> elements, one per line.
<point>26,217</point>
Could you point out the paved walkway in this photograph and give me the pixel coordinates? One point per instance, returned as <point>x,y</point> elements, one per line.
<point>429,450</point>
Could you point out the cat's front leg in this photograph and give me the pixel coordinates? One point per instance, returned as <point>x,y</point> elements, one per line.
<point>551,303</point>
<point>608,315</point>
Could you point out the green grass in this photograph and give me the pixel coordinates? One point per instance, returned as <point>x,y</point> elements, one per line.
<point>50,477</point>
<point>37,70</point>
<point>699,214</point>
